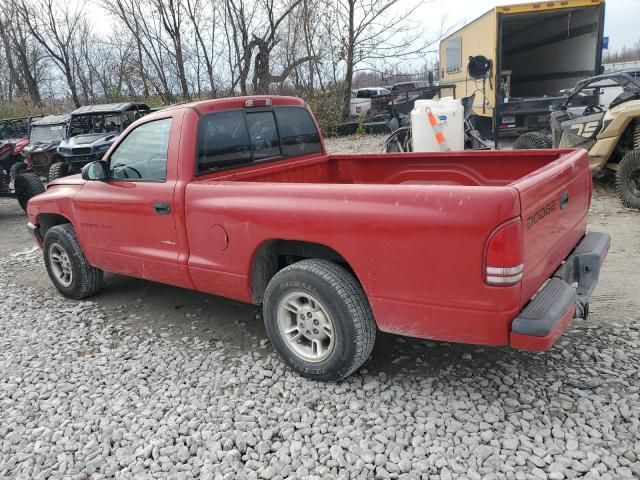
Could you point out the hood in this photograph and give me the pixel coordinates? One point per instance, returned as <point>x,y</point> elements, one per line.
<point>40,147</point>
<point>18,144</point>
<point>89,140</point>
<point>68,180</point>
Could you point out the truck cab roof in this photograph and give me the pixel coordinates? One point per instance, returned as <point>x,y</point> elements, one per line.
<point>254,101</point>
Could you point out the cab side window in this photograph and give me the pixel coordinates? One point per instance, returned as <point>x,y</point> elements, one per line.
<point>142,155</point>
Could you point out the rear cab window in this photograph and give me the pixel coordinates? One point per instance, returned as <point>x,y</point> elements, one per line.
<point>236,138</point>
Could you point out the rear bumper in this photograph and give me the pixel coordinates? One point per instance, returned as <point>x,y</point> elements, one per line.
<point>547,316</point>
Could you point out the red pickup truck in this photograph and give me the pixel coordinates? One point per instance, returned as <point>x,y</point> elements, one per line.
<point>237,197</point>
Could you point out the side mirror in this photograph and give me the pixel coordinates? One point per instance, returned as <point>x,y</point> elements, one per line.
<point>95,171</point>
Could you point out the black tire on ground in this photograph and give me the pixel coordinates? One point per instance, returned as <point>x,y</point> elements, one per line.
<point>58,170</point>
<point>532,141</point>
<point>16,169</point>
<point>61,243</point>
<point>342,298</point>
<point>628,179</point>
<point>27,186</point>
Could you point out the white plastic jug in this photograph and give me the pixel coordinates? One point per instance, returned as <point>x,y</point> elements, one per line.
<point>449,114</point>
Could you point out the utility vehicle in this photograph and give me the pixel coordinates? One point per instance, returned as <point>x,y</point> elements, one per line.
<point>44,137</point>
<point>610,133</point>
<point>92,130</point>
<point>12,128</point>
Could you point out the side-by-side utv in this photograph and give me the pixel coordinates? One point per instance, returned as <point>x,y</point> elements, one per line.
<point>11,128</point>
<point>610,133</point>
<point>44,138</point>
<point>92,130</point>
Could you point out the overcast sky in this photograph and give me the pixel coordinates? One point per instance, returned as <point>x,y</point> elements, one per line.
<point>622,17</point>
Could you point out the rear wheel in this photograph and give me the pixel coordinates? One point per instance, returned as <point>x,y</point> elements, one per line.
<point>319,320</point>
<point>27,186</point>
<point>532,141</point>
<point>67,266</point>
<point>58,170</point>
<point>628,179</point>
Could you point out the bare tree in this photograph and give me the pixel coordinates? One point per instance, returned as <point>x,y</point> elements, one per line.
<point>22,58</point>
<point>55,27</point>
<point>205,43</point>
<point>149,45</point>
<point>170,12</point>
<point>371,32</point>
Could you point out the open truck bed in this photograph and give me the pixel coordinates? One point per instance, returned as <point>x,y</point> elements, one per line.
<point>428,215</point>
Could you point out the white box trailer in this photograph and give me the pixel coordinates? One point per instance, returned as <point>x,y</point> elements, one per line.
<point>533,52</point>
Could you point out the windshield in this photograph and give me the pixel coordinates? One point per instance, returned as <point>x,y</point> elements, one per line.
<point>47,133</point>
<point>95,123</point>
<point>13,128</point>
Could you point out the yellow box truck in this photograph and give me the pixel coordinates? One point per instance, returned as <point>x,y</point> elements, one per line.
<point>519,59</point>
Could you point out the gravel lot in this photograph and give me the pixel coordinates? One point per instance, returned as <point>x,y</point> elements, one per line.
<point>151,381</point>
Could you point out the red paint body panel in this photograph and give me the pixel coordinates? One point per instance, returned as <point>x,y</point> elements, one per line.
<point>413,227</point>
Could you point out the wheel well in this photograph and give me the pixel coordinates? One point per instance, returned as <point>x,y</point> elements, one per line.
<point>274,255</point>
<point>629,140</point>
<point>48,220</point>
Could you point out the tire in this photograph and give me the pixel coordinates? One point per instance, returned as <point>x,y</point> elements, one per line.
<point>532,141</point>
<point>68,269</point>
<point>335,302</point>
<point>58,170</point>
<point>16,169</point>
<point>628,179</point>
<point>27,186</point>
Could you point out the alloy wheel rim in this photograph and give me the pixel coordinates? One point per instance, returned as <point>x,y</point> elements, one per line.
<point>60,265</point>
<point>306,326</point>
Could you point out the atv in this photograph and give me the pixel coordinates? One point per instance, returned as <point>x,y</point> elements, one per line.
<point>611,134</point>
<point>44,138</point>
<point>92,130</point>
<point>10,155</point>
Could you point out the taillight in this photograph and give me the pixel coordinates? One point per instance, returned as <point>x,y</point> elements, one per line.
<point>504,255</point>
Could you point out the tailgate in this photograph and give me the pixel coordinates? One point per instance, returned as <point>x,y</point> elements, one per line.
<point>554,201</point>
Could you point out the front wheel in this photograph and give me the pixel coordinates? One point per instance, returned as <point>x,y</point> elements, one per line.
<point>628,179</point>
<point>16,169</point>
<point>58,170</point>
<point>27,186</point>
<point>318,319</point>
<point>532,141</point>
<point>67,266</point>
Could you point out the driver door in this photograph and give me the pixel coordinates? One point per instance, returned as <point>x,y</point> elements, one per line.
<point>127,223</point>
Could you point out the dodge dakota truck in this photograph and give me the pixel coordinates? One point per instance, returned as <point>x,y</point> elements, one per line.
<point>238,197</point>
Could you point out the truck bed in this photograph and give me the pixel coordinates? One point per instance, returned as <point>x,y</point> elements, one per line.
<point>469,168</point>
<point>428,215</point>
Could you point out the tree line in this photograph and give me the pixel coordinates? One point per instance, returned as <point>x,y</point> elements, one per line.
<point>624,54</point>
<point>180,50</point>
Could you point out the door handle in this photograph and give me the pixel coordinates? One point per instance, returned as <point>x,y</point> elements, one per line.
<point>161,208</point>
<point>564,200</point>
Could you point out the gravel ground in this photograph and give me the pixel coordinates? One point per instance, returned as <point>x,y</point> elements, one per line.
<point>149,381</point>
